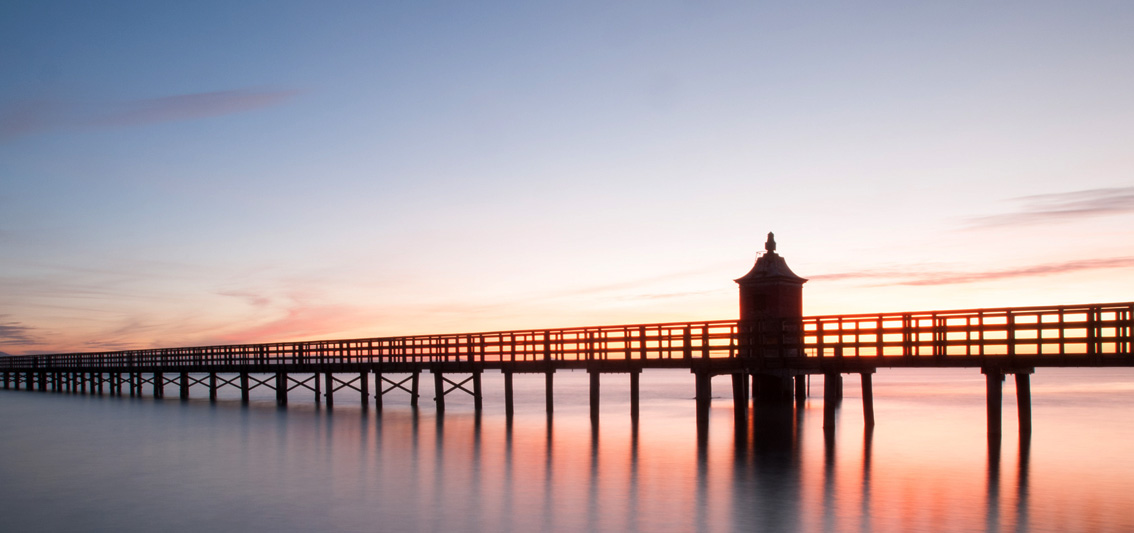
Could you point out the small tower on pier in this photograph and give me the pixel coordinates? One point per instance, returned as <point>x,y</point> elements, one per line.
<point>771,313</point>
<point>770,289</point>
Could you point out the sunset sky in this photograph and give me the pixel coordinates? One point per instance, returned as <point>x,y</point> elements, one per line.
<point>218,172</point>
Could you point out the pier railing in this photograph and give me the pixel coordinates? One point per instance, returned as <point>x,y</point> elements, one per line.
<point>1065,335</point>
<point>1054,334</point>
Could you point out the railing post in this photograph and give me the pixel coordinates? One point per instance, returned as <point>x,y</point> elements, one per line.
<point>687,343</point>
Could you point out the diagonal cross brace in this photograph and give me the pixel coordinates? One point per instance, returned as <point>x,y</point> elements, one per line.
<point>344,384</point>
<point>263,382</point>
<point>395,385</point>
<point>222,382</point>
<point>300,383</point>
<point>456,385</point>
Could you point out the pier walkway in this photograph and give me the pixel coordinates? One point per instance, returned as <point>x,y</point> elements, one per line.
<point>768,352</point>
<point>773,351</point>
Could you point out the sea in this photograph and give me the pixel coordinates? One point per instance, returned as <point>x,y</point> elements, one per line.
<point>89,463</point>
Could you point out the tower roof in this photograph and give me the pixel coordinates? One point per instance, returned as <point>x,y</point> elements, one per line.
<point>770,267</point>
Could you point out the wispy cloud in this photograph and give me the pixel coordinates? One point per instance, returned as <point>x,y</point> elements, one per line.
<point>947,277</point>
<point>29,117</point>
<point>16,334</point>
<point>1064,206</point>
<point>302,321</point>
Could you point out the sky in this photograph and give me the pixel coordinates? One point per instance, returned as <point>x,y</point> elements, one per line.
<point>197,173</point>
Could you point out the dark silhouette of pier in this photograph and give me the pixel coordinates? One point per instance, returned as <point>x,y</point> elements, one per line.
<point>768,352</point>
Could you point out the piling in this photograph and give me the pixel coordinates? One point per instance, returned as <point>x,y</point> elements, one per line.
<point>364,388</point>
<point>549,394</point>
<point>594,375</point>
<point>868,399</point>
<point>184,386</point>
<point>740,397</point>
<point>704,394</point>
<point>509,407</point>
<point>478,402</point>
<point>328,377</point>
<point>379,389</point>
<point>1024,400</point>
<point>281,388</point>
<point>993,379</point>
<point>414,394</point>
<point>832,386</point>
<point>439,390</point>
<point>634,375</point>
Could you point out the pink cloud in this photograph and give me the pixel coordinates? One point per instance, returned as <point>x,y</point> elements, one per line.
<point>1064,206</point>
<point>301,322</point>
<point>190,107</point>
<point>924,278</point>
<point>29,117</point>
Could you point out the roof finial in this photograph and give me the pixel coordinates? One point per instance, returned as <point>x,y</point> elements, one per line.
<point>770,246</point>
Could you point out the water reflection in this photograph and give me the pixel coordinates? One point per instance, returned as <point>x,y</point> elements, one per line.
<point>1022,468</point>
<point>992,508</point>
<point>305,468</point>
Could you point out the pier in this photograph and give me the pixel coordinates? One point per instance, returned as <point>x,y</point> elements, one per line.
<point>768,352</point>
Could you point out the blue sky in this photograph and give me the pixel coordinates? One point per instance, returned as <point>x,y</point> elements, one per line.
<point>197,173</point>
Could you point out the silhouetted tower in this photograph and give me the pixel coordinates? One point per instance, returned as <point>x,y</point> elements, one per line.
<point>770,290</point>
<point>771,323</point>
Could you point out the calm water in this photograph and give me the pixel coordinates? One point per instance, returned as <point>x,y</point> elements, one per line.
<point>83,463</point>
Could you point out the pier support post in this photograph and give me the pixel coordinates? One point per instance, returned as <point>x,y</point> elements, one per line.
<point>549,394</point>
<point>993,379</point>
<point>99,381</point>
<point>184,386</point>
<point>634,376</point>
<point>832,386</point>
<point>6,381</point>
<point>281,389</point>
<point>43,382</point>
<point>439,390</point>
<point>868,399</point>
<point>740,397</point>
<point>159,385</point>
<point>244,389</point>
<point>212,386</point>
<point>832,396</point>
<point>594,375</point>
<point>330,394</point>
<point>318,386</point>
<point>1024,400</point>
<point>801,388</point>
<point>413,388</point>
<point>364,388</point>
<point>379,389</point>
<point>509,407</point>
<point>478,402</point>
<point>704,395</point>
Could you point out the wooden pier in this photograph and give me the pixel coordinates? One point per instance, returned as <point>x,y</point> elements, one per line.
<point>768,353</point>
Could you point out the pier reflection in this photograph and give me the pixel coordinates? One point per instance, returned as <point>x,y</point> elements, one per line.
<point>779,470</point>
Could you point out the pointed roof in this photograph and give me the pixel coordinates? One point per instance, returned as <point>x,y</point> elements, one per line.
<point>770,267</point>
